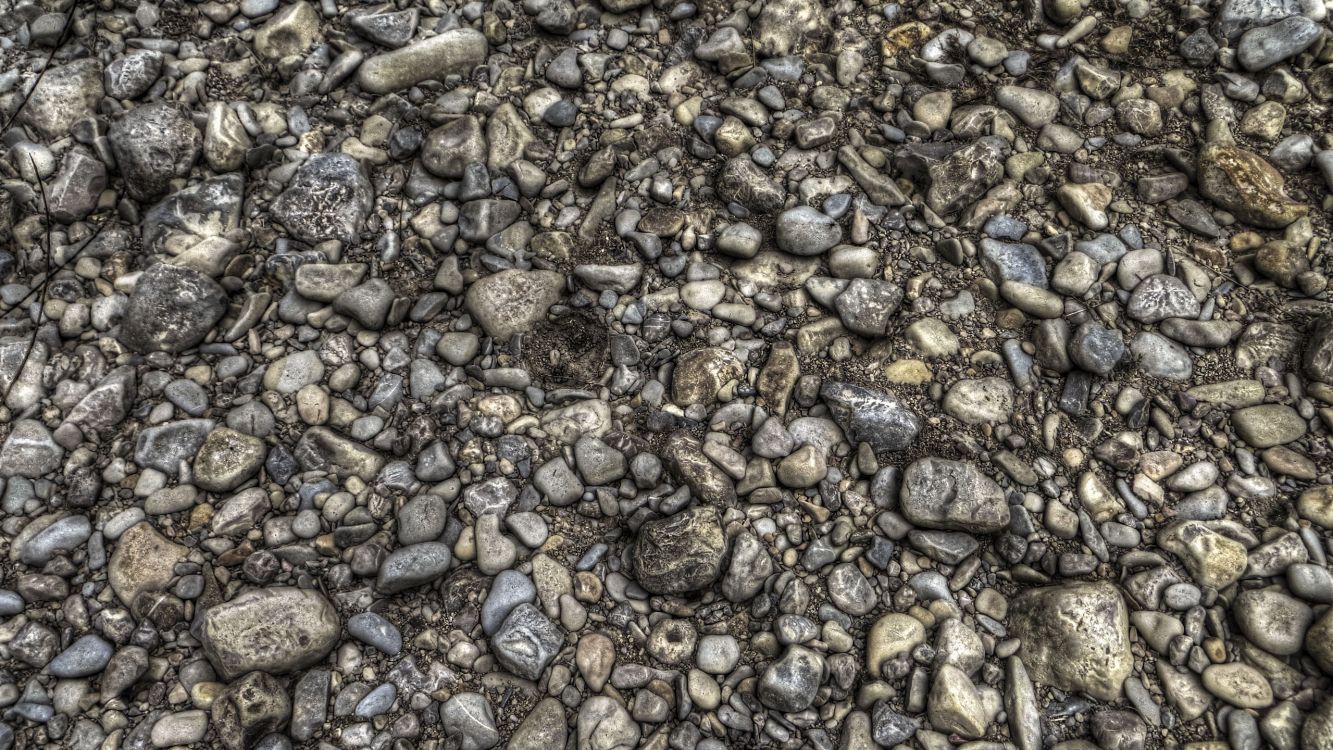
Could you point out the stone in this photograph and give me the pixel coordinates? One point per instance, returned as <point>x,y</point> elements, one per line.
<point>85,657</point>
<point>468,716</point>
<point>29,451</point>
<point>227,459</point>
<point>870,415</point>
<point>954,705</point>
<point>143,562</point>
<point>154,144</point>
<point>527,642</point>
<point>451,53</point>
<point>512,301</point>
<point>1159,297</point>
<point>412,566</point>
<point>953,495</point>
<point>275,630</point>
<point>1267,425</point>
<point>790,683</point>
<point>1246,185</point>
<point>1267,46</point>
<point>288,32</point>
<point>1211,558</point>
<point>980,400</point>
<point>1238,684</point>
<point>700,374</point>
<point>741,181</point>
<point>249,708</point>
<point>1272,620</point>
<point>680,553</point>
<point>66,94</point>
<point>806,231</point>
<point>1075,637</point>
<point>604,724</point>
<point>962,177</point>
<point>322,449</point>
<point>328,198</point>
<point>172,309</point>
<point>893,635</point>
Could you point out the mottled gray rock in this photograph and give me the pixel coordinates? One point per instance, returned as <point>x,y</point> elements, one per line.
<point>941,494</point>
<point>468,716</point>
<point>172,309</point>
<point>526,642</point>
<point>412,566</point>
<point>154,144</point>
<point>328,199</point>
<point>870,415</point>
<point>511,301</point>
<point>680,553</point>
<point>275,630</point>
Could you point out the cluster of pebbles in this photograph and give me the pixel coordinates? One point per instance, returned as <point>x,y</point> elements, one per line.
<point>605,374</point>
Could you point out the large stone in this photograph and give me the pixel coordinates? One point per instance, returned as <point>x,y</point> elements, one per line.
<point>871,415</point>
<point>453,52</point>
<point>604,724</point>
<point>526,642</point>
<point>680,553</point>
<point>288,32</point>
<point>1267,425</point>
<point>249,708</point>
<point>1318,359</point>
<point>791,682</point>
<point>1074,637</point>
<point>154,144</point>
<point>322,449</point>
<point>742,181</point>
<point>700,373</point>
<point>66,94</point>
<point>29,451</point>
<point>1246,185</point>
<point>171,309</point>
<point>227,459</point>
<point>328,198</point>
<point>275,630</point>
<point>941,494</point>
<point>143,561</point>
<point>961,178</point>
<point>1211,558</point>
<point>512,301</point>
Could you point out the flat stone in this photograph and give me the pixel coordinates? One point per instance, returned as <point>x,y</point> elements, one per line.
<point>952,495</point>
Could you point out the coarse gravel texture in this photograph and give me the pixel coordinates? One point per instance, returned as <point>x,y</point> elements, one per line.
<point>604,374</point>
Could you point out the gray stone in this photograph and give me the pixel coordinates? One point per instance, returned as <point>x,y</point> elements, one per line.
<point>870,415</point>
<point>85,657</point>
<point>375,630</point>
<point>171,309</point>
<point>453,52</point>
<point>412,566</point>
<point>154,144</point>
<point>952,495</point>
<point>276,630</point>
<point>328,198</point>
<point>468,717</point>
<point>680,553</point>
<point>526,642</point>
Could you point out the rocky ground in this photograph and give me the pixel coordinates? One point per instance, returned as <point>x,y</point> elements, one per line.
<point>602,374</point>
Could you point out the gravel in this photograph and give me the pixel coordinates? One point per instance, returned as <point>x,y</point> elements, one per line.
<point>608,373</point>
